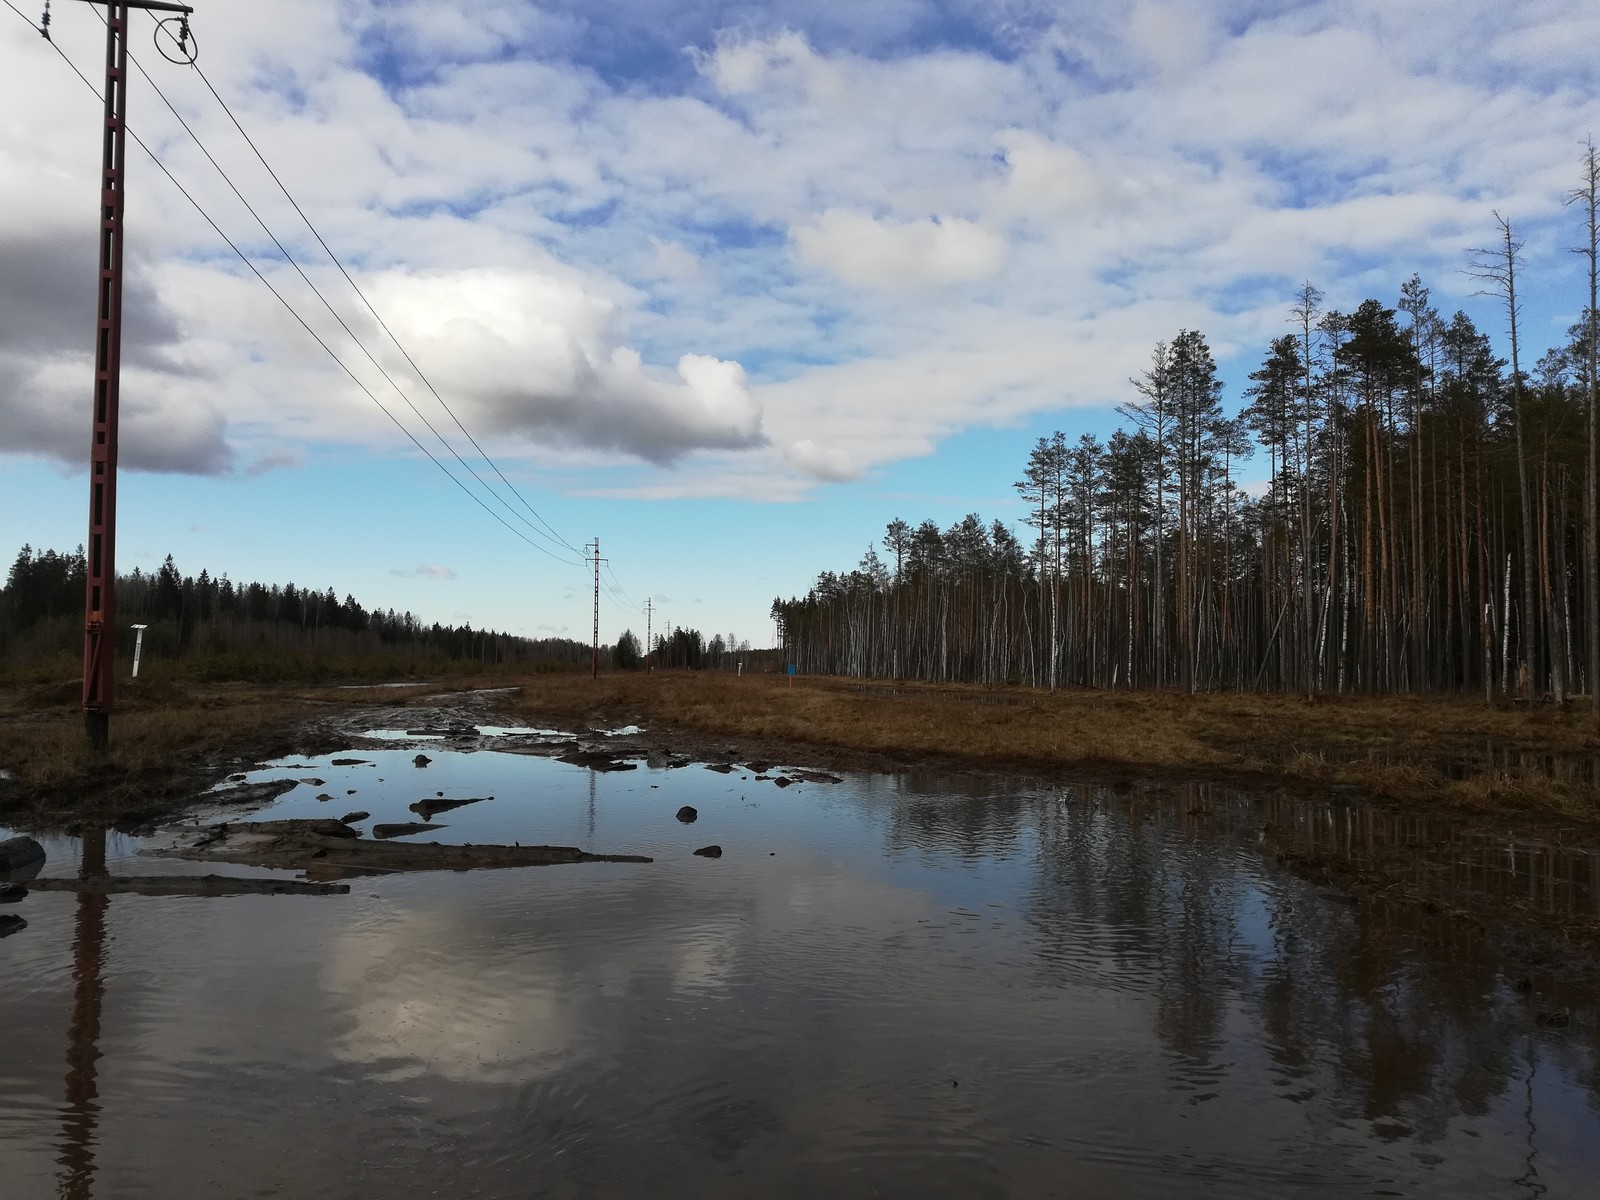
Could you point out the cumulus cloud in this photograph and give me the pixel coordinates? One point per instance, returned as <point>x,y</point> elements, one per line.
<point>902,245</point>
<point>673,260</point>
<point>169,421</point>
<point>871,253</point>
<point>425,571</point>
<point>539,356</point>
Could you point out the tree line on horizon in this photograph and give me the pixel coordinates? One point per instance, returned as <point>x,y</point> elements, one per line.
<point>247,630</point>
<point>266,631</point>
<point>1428,523</point>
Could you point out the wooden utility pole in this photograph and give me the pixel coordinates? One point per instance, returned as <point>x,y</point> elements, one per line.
<point>99,609</point>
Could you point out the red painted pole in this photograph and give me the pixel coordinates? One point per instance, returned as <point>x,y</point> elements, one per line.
<point>100,598</point>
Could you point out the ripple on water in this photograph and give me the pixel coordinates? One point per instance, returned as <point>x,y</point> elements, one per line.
<point>983,989</point>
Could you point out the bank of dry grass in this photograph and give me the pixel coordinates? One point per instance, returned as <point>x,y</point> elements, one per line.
<point>1435,750</point>
<point>162,732</point>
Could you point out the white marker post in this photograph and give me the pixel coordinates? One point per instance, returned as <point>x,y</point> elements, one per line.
<point>138,645</point>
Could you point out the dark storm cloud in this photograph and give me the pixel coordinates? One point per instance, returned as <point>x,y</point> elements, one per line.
<point>47,329</point>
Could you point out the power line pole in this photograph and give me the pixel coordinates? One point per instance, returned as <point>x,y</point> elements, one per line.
<point>649,613</point>
<point>595,546</point>
<point>100,608</point>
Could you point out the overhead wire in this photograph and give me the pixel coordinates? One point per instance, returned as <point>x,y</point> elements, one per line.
<point>289,258</point>
<point>618,584</point>
<point>279,296</point>
<point>614,591</point>
<point>384,325</point>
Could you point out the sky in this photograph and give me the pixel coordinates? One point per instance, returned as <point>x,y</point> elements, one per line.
<point>727,286</point>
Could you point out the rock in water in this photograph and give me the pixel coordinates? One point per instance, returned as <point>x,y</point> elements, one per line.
<point>709,852</point>
<point>402,829</point>
<point>20,852</point>
<point>428,809</point>
<point>687,813</point>
<point>12,892</point>
<point>11,923</point>
<point>422,760</point>
<point>352,817</point>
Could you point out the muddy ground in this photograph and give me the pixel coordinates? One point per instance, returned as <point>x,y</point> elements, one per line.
<point>1385,877</point>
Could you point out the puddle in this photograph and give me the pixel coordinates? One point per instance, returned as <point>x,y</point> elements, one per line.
<point>911,985</point>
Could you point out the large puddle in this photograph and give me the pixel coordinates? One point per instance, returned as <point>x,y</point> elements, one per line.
<point>896,986</point>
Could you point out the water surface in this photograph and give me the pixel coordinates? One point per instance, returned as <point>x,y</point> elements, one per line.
<point>888,986</point>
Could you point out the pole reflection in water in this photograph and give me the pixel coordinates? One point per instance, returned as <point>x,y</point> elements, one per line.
<point>80,1115</point>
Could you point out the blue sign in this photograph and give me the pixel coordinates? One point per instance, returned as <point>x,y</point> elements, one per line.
<point>789,670</point>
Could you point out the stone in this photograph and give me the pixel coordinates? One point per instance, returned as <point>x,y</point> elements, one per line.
<point>709,852</point>
<point>20,852</point>
<point>350,818</point>
<point>687,813</point>
<point>318,826</point>
<point>11,923</point>
<point>10,893</point>
<point>402,829</point>
<point>350,762</point>
<point>428,809</point>
<point>596,761</point>
<point>421,760</point>
<point>814,777</point>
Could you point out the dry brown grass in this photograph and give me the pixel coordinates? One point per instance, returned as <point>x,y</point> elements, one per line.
<point>1405,750</point>
<point>1435,750</point>
<point>158,727</point>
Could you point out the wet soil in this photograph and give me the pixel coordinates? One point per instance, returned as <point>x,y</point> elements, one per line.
<point>1542,937</point>
<point>330,849</point>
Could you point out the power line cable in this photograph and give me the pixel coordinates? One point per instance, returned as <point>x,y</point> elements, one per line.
<point>618,584</point>
<point>289,258</point>
<point>279,296</point>
<point>614,590</point>
<point>334,258</point>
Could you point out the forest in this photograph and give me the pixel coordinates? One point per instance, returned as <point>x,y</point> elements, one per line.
<point>218,629</point>
<point>1427,525</point>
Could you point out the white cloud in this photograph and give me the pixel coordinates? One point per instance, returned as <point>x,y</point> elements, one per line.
<point>1173,36</point>
<point>673,260</point>
<point>870,253</point>
<point>804,260</point>
<point>426,571</point>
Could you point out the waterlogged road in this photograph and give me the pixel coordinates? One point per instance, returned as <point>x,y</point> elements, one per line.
<point>895,986</point>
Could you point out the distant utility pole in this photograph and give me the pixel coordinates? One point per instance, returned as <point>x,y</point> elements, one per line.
<point>595,546</point>
<point>100,608</point>
<point>649,613</point>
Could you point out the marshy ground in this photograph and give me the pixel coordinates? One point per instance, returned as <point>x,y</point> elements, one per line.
<point>1538,771</point>
<point>1448,779</point>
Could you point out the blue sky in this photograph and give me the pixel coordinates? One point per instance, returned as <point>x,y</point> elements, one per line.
<point>727,285</point>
